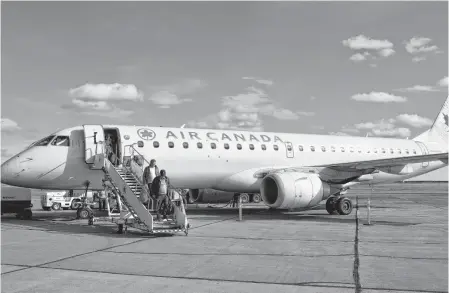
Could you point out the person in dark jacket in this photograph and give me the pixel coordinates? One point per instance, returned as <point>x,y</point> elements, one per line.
<point>160,188</point>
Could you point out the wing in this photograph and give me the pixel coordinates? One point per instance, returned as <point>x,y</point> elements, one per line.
<point>379,163</point>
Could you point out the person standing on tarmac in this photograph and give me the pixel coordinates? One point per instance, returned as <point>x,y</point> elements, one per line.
<point>149,174</point>
<point>160,186</point>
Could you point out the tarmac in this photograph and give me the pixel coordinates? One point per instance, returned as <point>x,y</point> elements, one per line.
<point>405,249</point>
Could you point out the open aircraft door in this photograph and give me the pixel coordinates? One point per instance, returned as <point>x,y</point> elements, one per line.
<point>94,145</point>
<point>424,150</point>
<point>289,150</point>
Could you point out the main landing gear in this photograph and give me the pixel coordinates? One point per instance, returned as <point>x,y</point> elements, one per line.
<point>339,205</point>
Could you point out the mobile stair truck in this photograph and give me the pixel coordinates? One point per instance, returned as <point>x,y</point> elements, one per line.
<point>131,212</point>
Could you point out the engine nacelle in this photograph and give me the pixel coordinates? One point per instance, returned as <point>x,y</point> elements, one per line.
<point>293,190</point>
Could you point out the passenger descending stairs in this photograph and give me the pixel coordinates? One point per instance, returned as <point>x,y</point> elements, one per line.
<point>128,190</point>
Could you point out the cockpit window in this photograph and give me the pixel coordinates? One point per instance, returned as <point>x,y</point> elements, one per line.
<point>61,141</point>
<point>44,141</point>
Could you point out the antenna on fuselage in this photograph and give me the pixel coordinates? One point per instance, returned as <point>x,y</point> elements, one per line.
<point>182,126</point>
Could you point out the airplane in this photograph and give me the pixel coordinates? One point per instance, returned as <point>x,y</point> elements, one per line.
<point>289,171</point>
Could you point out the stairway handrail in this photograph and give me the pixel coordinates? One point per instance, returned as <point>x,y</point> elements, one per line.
<point>145,163</point>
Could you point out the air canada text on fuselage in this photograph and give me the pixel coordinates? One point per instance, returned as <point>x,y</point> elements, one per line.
<point>222,136</point>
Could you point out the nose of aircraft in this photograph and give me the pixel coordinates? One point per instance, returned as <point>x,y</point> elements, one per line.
<point>5,172</point>
<point>8,169</point>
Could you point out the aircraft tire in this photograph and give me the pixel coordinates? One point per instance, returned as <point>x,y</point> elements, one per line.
<point>344,206</point>
<point>256,198</point>
<point>330,206</point>
<point>245,197</point>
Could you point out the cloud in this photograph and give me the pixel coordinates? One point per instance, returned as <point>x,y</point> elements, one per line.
<point>386,52</point>
<point>418,88</point>
<point>378,97</point>
<point>245,111</point>
<point>384,128</point>
<point>419,45</point>
<point>444,82</point>
<point>261,81</point>
<point>166,99</point>
<point>363,42</point>
<point>358,57</point>
<point>312,98</point>
<point>8,125</point>
<point>414,120</point>
<point>96,99</point>
<point>384,48</point>
<point>339,133</point>
<point>107,92</point>
<point>418,59</point>
<point>169,95</point>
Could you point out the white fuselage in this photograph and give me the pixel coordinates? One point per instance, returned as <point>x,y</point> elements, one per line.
<point>191,160</point>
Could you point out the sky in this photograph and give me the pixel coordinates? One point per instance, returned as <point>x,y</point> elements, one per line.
<point>344,68</point>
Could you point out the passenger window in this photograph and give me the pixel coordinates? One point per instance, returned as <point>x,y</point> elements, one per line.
<point>44,141</point>
<point>171,144</point>
<point>342,149</point>
<point>323,148</point>
<point>275,147</point>
<point>264,147</point>
<point>213,145</point>
<point>185,144</point>
<point>156,144</point>
<point>383,151</point>
<point>375,151</point>
<point>359,150</point>
<point>368,151</point>
<point>414,151</point>
<point>332,148</point>
<point>239,146</point>
<point>199,145</point>
<point>251,146</point>
<point>312,148</point>
<point>61,141</point>
<point>391,151</point>
<point>406,151</point>
<point>301,148</point>
<point>399,151</point>
<point>226,146</point>
<point>351,149</point>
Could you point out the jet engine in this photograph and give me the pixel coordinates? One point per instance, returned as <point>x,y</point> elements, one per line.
<point>293,190</point>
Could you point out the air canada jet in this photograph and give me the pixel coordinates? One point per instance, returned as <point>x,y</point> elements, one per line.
<point>289,171</point>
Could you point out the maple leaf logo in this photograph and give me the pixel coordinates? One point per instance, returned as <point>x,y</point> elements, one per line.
<point>146,134</point>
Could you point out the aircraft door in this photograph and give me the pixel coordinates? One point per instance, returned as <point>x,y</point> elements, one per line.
<point>289,150</point>
<point>425,151</point>
<point>94,145</point>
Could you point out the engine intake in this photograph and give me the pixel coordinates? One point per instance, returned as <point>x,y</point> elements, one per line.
<point>292,190</point>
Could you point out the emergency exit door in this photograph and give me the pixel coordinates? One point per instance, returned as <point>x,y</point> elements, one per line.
<point>289,150</point>
<point>424,151</point>
<point>94,145</point>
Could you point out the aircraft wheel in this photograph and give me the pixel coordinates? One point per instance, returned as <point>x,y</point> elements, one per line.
<point>256,198</point>
<point>56,206</point>
<point>330,206</point>
<point>245,197</point>
<point>344,206</point>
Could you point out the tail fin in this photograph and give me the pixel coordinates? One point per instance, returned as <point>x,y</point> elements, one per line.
<point>438,132</point>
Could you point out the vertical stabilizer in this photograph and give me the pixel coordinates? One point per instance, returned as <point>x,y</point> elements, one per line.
<point>438,132</point>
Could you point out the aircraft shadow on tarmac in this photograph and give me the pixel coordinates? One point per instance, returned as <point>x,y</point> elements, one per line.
<point>65,222</point>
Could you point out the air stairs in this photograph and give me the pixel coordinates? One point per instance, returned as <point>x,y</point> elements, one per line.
<point>131,212</point>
